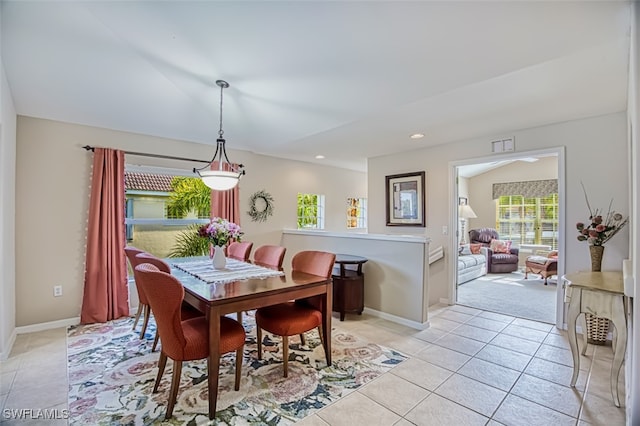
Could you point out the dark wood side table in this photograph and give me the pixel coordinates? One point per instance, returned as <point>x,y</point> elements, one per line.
<point>348,285</point>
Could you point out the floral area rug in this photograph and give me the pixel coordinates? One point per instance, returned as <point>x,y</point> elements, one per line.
<point>112,373</point>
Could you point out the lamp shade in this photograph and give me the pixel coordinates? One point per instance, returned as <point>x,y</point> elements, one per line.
<point>466,212</point>
<point>220,180</point>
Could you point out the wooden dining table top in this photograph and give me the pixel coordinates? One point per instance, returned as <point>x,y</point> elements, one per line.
<point>220,293</point>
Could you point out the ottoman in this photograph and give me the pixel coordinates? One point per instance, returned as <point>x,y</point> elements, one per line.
<point>541,265</point>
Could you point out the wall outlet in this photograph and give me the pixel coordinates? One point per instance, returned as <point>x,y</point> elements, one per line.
<point>57,291</point>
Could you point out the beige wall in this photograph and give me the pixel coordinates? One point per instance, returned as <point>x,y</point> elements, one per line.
<point>53,202</point>
<point>7,216</point>
<point>596,153</point>
<point>481,186</point>
<point>633,114</point>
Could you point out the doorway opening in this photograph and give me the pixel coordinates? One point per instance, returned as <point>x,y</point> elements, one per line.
<point>508,215</point>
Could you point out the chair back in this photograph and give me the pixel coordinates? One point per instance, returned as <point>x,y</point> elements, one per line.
<point>240,251</point>
<point>131,253</point>
<point>483,236</point>
<point>269,255</point>
<point>314,262</point>
<point>165,294</point>
<point>155,261</point>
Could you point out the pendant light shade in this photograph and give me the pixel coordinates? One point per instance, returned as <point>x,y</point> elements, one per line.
<point>226,175</point>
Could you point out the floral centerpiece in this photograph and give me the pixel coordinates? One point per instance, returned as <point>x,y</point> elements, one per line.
<point>220,232</point>
<point>600,229</point>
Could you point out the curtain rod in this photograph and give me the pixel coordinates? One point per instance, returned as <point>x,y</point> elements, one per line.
<point>144,154</point>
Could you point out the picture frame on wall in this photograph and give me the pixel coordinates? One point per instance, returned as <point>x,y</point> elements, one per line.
<point>462,201</point>
<point>405,199</point>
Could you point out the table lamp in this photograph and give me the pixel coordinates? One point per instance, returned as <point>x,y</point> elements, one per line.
<point>464,212</point>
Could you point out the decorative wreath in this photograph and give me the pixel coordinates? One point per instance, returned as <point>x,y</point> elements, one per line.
<point>264,207</point>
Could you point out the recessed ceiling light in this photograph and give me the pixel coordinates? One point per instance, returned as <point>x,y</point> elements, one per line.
<point>319,157</point>
<point>417,136</point>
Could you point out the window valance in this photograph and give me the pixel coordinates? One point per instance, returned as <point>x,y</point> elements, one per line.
<point>528,189</point>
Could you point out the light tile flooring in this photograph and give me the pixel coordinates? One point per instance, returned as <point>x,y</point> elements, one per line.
<point>471,367</point>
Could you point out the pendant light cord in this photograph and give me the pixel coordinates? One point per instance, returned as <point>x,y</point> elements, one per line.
<point>221,132</point>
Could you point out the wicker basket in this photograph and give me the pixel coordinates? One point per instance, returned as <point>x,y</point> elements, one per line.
<point>597,329</point>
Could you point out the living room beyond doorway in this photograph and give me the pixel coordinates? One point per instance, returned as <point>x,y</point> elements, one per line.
<point>519,198</point>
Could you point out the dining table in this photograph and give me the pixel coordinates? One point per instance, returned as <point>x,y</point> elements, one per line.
<point>241,287</point>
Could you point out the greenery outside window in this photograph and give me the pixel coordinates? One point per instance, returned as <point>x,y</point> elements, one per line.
<point>356,213</point>
<point>528,220</point>
<point>310,211</point>
<point>163,208</point>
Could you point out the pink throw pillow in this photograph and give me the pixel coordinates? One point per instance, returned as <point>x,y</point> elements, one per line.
<point>475,248</point>
<point>500,246</point>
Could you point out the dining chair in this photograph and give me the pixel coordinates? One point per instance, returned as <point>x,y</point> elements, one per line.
<point>184,340</point>
<point>143,304</point>
<point>186,311</point>
<point>299,316</point>
<point>239,251</point>
<point>268,255</point>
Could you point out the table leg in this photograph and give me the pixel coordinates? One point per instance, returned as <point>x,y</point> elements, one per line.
<point>620,323</point>
<point>574,311</point>
<point>213,363</point>
<point>326,321</point>
<point>585,335</point>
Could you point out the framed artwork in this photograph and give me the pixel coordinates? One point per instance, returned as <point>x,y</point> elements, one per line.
<point>462,201</point>
<point>405,199</point>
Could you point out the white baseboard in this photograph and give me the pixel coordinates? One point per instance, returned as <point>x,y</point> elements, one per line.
<point>396,319</point>
<point>444,301</point>
<point>4,355</point>
<point>47,325</point>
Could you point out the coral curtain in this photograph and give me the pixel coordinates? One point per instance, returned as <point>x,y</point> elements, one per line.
<point>105,279</point>
<point>226,204</point>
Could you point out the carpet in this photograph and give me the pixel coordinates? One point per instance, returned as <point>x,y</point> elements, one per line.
<point>511,294</point>
<point>112,372</point>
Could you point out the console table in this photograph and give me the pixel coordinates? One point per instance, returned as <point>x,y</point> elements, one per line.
<point>600,294</point>
<point>348,285</point>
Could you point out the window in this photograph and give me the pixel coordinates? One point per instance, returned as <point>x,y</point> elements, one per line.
<point>161,204</point>
<point>310,211</point>
<point>356,213</point>
<point>528,220</point>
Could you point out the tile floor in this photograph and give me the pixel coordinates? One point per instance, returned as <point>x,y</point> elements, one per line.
<point>471,367</point>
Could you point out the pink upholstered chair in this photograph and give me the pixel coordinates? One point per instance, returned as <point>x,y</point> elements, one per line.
<point>187,311</point>
<point>143,304</point>
<point>183,340</point>
<point>291,318</point>
<point>269,255</point>
<point>239,251</point>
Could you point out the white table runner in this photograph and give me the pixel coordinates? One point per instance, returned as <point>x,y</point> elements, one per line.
<point>234,270</point>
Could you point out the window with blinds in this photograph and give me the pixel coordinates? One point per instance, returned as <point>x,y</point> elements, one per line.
<point>528,220</point>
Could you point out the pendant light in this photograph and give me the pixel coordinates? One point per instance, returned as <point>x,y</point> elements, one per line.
<point>226,176</point>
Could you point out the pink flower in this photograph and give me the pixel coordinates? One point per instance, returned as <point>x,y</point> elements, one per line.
<point>602,227</point>
<point>220,232</point>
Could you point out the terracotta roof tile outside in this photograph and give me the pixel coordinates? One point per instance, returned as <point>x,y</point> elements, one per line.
<point>147,182</point>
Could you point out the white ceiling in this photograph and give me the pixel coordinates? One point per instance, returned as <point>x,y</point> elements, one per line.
<point>348,80</point>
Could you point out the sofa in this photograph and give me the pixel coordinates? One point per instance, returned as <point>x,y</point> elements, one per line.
<point>471,265</point>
